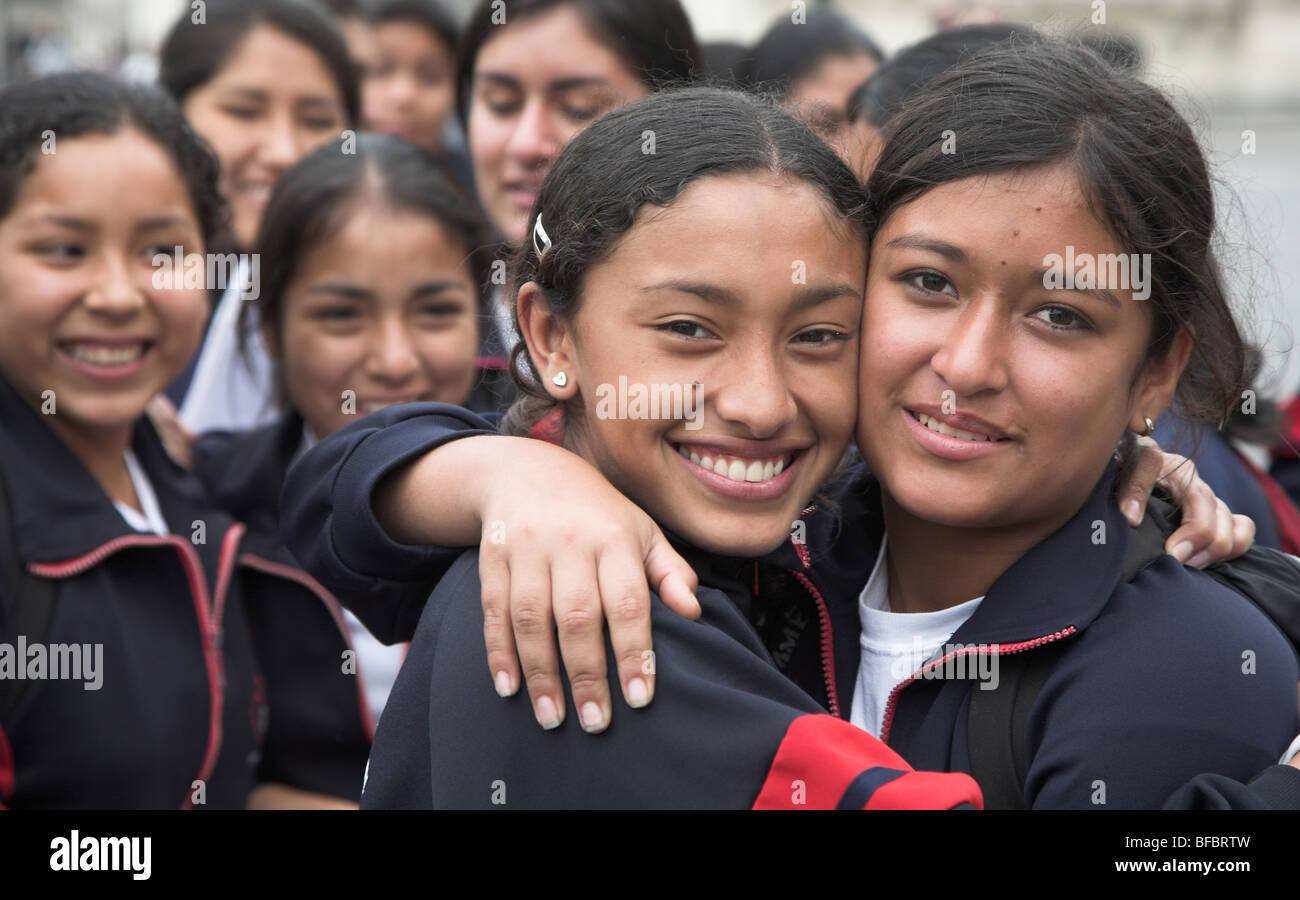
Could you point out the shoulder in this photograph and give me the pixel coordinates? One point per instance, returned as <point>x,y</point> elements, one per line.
<point>1177,676</point>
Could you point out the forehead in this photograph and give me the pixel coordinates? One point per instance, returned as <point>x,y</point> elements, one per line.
<point>834,78</point>
<point>270,60</point>
<point>372,234</point>
<point>741,227</point>
<point>548,45</point>
<point>122,173</point>
<point>1025,210</point>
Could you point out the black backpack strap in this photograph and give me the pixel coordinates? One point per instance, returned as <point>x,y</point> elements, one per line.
<point>997,721</point>
<point>28,603</point>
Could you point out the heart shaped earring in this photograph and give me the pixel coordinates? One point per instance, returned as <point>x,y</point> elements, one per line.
<point>559,379</point>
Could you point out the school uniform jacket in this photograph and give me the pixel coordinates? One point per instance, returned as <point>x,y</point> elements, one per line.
<point>805,611</point>
<point>320,727</point>
<point>177,719</point>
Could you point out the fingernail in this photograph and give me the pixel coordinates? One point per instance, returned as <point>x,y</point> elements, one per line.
<point>1182,551</point>
<point>591,717</point>
<point>638,695</point>
<point>547,717</point>
<point>1199,560</point>
<point>1133,511</point>
<point>503,685</point>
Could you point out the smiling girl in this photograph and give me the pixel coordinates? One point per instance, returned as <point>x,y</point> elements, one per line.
<point>399,500</point>
<point>658,290</point>
<point>374,265</point>
<point>264,82</point>
<point>108,546</point>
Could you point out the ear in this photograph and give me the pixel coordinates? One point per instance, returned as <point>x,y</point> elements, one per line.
<point>550,342</point>
<point>1158,381</point>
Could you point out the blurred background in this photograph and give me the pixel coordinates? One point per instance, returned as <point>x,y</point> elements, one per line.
<point>1233,66</point>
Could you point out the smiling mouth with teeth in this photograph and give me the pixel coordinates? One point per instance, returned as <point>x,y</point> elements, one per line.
<point>104,355</point>
<point>935,425</point>
<point>736,469</point>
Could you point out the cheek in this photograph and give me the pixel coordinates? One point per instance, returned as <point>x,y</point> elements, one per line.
<point>318,367</point>
<point>449,358</point>
<point>183,314</point>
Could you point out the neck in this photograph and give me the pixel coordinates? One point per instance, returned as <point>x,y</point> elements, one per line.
<point>934,566</point>
<point>102,451</point>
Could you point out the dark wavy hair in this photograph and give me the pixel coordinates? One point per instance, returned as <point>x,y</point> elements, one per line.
<point>74,104</point>
<point>602,179</point>
<point>1033,100</point>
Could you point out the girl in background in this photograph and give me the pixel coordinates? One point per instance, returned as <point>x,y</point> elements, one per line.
<point>374,265</point>
<point>109,547</point>
<point>264,82</point>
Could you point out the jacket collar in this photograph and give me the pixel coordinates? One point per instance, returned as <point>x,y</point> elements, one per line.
<point>245,471</point>
<point>59,510</point>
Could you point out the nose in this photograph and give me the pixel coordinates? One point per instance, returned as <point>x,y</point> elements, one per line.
<point>755,396</point>
<point>973,355</point>
<point>282,145</point>
<point>392,359</point>
<point>535,140</point>
<point>115,292</point>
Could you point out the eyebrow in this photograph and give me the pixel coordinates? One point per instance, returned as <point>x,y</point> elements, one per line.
<point>354,292</point>
<point>915,241</point>
<point>259,96</point>
<point>560,84</point>
<point>1099,293</point>
<point>154,224</point>
<point>709,293</point>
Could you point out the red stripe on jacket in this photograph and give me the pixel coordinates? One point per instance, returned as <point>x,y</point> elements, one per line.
<point>820,756</point>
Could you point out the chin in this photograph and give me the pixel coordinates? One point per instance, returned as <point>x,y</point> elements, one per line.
<point>740,539</point>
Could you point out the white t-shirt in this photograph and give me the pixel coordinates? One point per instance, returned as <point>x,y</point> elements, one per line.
<point>378,663</point>
<point>151,519</point>
<point>231,391</point>
<point>894,645</point>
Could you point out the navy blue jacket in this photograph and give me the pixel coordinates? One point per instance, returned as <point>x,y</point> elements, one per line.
<point>1063,590</point>
<point>180,698</point>
<point>320,728</point>
<point>726,730</point>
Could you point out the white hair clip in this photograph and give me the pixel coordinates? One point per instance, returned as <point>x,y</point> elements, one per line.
<point>541,240</point>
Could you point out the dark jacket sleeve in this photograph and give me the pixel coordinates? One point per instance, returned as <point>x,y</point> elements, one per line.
<point>1277,787</point>
<point>726,730</point>
<point>329,526</point>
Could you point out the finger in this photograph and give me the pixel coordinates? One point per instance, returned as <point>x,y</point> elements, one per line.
<point>1200,523</point>
<point>503,659</point>
<point>1133,495</point>
<point>534,628</point>
<point>1243,534</point>
<point>1178,477</point>
<point>671,577</point>
<point>626,599</point>
<point>1221,545</point>
<point>580,622</point>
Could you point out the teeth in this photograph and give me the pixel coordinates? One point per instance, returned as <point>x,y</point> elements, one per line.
<point>748,470</point>
<point>106,356</point>
<point>935,425</point>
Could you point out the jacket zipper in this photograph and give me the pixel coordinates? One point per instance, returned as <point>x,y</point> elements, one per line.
<point>993,649</point>
<point>209,611</point>
<point>827,643</point>
<point>271,567</point>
